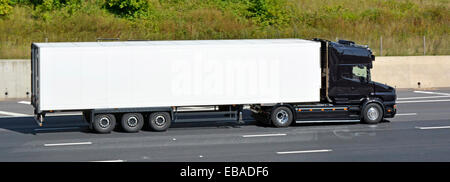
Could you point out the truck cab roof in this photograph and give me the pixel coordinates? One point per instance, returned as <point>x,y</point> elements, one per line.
<point>350,53</point>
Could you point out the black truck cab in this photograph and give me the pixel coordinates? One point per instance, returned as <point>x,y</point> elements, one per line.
<point>348,81</point>
<point>347,94</point>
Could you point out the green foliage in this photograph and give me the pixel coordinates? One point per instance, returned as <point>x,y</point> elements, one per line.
<point>268,12</point>
<point>371,14</point>
<point>5,8</point>
<point>129,8</point>
<point>43,9</point>
<point>14,2</point>
<point>401,23</point>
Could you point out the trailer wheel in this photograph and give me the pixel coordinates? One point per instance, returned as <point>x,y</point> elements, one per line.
<point>159,121</point>
<point>372,113</point>
<point>132,122</point>
<point>104,123</point>
<point>281,117</point>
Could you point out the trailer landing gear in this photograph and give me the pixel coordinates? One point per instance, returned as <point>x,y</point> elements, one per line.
<point>39,118</point>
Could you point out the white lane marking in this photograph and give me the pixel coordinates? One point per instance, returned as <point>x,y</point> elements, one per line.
<point>65,128</point>
<point>12,113</point>
<point>47,115</point>
<point>110,161</point>
<point>24,102</point>
<point>433,127</point>
<point>305,151</point>
<point>16,116</point>
<point>66,144</point>
<point>428,97</point>
<point>264,135</point>
<point>63,114</point>
<point>428,92</point>
<point>416,101</point>
<point>406,114</point>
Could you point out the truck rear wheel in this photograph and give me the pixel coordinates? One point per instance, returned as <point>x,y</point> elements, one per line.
<point>132,122</point>
<point>281,117</point>
<point>104,123</point>
<point>372,113</point>
<point>159,121</point>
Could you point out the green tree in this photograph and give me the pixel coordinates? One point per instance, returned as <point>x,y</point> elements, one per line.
<point>128,8</point>
<point>5,8</point>
<point>269,12</point>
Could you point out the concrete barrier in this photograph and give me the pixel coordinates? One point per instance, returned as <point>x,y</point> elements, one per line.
<point>407,71</point>
<point>399,72</point>
<point>15,79</point>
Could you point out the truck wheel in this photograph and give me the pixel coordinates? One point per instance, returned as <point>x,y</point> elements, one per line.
<point>104,123</point>
<point>372,113</point>
<point>132,122</point>
<point>281,117</point>
<point>159,121</point>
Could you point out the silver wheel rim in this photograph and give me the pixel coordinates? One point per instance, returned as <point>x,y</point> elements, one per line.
<point>372,113</point>
<point>160,120</point>
<point>104,122</point>
<point>282,116</point>
<point>132,121</point>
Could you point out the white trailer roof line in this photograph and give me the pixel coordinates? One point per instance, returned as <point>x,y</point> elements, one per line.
<point>174,42</point>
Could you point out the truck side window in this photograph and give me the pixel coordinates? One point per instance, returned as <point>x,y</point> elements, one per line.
<point>359,71</point>
<point>354,72</point>
<point>346,72</point>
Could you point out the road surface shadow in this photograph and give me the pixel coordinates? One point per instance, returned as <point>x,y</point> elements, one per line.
<point>61,124</point>
<point>53,124</point>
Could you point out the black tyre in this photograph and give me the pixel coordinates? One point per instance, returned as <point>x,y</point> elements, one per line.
<point>159,121</point>
<point>372,113</point>
<point>104,123</point>
<point>132,122</point>
<point>281,117</point>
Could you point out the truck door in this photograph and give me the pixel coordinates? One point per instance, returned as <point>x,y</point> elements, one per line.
<point>353,83</point>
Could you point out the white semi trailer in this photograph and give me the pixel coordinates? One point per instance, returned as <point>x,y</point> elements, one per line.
<point>137,82</point>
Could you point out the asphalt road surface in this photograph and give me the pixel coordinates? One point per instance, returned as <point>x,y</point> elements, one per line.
<point>419,132</point>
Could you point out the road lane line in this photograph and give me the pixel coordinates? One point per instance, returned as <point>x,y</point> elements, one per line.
<point>6,117</point>
<point>12,113</point>
<point>305,151</point>
<point>24,102</point>
<point>264,135</point>
<point>433,127</point>
<point>406,114</point>
<point>66,144</point>
<point>110,161</point>
<point>47,129</point>
<point>427,97</point>
<point>415,101</point>
<point>48,115</point>
<point>63,114</point>
<point>428,92</point>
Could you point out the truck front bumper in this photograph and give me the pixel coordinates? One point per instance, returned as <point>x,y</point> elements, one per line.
<point>390,110</point>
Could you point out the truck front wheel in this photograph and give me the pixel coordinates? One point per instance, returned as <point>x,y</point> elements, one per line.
<point>104,123</point>
<point>281,117</point>
<point>159,121</point>
<point>372,113</point>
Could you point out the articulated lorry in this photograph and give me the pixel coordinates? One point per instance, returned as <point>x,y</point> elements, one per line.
<point>156,83</point>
